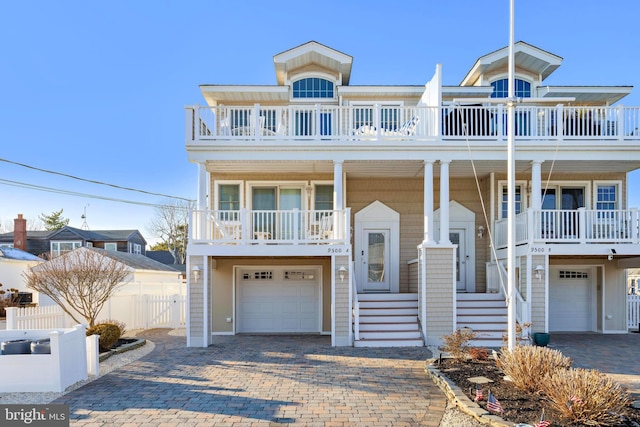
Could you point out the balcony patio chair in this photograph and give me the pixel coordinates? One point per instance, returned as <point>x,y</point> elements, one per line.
<point>226,230</point>
<point>408,128</point>
<point>322,229</point>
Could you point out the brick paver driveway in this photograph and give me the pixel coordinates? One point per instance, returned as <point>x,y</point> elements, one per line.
<point>262,380</point>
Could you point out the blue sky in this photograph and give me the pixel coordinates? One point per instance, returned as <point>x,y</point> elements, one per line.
<point>98,89</point>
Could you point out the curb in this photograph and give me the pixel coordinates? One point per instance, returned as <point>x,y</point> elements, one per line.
<point>456,395</point>
<point>122,349</point>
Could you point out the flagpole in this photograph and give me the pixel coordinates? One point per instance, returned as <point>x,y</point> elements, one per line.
<point>511,183</point>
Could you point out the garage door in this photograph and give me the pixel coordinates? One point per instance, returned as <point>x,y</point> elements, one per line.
<point>571,300</point>
<point>277,300</point>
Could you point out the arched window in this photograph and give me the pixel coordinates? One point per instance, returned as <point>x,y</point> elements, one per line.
<point>501,89</point>
<point>313,87</point>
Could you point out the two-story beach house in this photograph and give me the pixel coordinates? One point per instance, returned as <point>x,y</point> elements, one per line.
<point>377,214</point>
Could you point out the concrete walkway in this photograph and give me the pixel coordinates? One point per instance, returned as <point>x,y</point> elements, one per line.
<point>262,380</point>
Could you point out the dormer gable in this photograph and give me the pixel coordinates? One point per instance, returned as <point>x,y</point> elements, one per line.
<point>529,60</point>
<point>313,57</point>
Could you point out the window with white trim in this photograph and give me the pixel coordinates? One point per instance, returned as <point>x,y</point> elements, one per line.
<point>229,201</point>
<point>519,199</point>
<point>607,197</point>
<point>323,199</point>
<point>136,248</point>
<point>111,247</point>
<point>58,248</point>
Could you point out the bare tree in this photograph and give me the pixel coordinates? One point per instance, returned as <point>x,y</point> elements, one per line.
<point>171,225</point>
<point>80,281</point>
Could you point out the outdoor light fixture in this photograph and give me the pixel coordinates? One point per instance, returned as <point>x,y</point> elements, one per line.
<point>480,231</point>
<point>342,271</point>
<point>195,270</point>
<point>612,252</point>
<point>538,271</point>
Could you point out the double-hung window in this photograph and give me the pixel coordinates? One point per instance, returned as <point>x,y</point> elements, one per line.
<point>607,197</point>
<point>519,203</point>
<point>229,202</point>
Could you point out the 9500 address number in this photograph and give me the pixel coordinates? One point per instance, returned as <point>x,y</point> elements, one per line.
<point>336,251</point>
<point>542,250</point>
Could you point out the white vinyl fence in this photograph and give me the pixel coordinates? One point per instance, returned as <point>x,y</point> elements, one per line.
<point>633,311</point>
<point>65,365</point>
<point>135,311</point>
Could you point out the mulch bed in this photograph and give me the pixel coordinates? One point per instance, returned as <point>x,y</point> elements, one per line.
<point>519,406</point>
<point>119,343</point>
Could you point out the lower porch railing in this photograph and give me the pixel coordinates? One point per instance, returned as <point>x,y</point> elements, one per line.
<point>572,226</point>
<point>243,227</point>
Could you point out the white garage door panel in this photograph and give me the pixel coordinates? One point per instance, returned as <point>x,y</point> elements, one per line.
<point>278,304</point>
<point>570,305</point>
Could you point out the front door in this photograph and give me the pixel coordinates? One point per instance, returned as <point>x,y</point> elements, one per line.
<point>457,238</point>
<point>374,259</point>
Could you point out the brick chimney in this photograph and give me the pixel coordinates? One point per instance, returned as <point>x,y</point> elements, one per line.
<point>20,233</point>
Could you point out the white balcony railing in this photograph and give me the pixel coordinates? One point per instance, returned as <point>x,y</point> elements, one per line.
<point>375,122</point>
<point>572,226</point>
<point>242,227</point>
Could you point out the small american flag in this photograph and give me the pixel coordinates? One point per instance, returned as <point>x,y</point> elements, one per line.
<point>492,404</point>
<point>478,394</point>
<point>543,422</point>
<point>575,399</point>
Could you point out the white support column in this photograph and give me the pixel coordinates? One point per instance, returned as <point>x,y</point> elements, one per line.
<point>337,185</point>
<point>202,186</point>
<point>444,203</point>
<point>428,202</point>
<point>536,185</point>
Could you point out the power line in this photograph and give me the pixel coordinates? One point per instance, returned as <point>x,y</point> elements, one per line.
<point>73,193</point>
<point>93,181</point>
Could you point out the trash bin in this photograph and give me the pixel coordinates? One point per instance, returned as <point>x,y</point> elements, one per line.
<point>42,346</point>
<point>16,347</point>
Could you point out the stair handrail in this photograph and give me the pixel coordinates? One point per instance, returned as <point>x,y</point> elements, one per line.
<point>356,305</point>
<point>522,307</point>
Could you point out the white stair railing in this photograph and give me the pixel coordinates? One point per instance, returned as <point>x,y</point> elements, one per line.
<point>356,305</point>
<point>522,306</point>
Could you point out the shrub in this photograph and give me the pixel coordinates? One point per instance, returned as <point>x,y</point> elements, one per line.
<point>586,397</point>
<point>109,334</point>
<point>477,353</point>
<point>119,324</point>
<point>527,366</point>
<point>457,343</point>
<point>522,333</point>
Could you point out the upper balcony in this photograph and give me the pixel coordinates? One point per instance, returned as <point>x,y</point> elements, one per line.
<point>322,123</point>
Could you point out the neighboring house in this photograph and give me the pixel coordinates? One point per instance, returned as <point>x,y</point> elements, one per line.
<point>69,238</point>
<point>165,257</point>
<point>13,263</point>
<point>148,277</point>
<point>376,214</point>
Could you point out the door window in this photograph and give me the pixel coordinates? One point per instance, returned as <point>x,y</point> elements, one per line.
<point>376,257</point>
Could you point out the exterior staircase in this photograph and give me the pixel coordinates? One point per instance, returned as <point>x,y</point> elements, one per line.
<point>485,314</point>
<point>389,320</point>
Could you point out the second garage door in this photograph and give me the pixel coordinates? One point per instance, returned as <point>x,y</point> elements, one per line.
<point>278,300</point>
<point>571,297</point>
